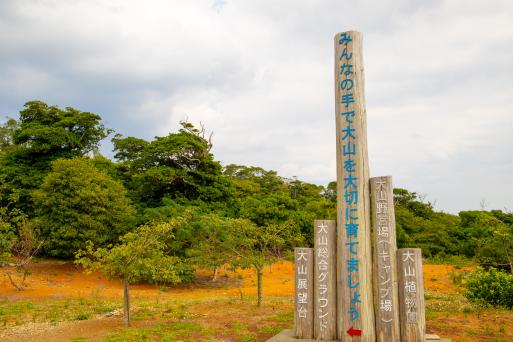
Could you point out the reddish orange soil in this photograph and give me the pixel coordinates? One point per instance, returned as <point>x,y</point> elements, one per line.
<point>51,279</point>
<point>437,278</point>
<point>54,279</point>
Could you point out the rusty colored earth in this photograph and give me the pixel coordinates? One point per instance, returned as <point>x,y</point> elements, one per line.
<point>217,309</point>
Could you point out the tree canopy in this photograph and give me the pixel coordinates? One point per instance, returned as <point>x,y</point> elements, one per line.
<point>42,134</point>
<point>78,203</point>
<point>177,166</point>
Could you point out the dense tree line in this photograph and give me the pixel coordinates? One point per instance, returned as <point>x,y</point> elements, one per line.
<point>54,181</point>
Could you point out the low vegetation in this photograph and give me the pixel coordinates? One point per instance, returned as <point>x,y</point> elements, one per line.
<point>490,287</point>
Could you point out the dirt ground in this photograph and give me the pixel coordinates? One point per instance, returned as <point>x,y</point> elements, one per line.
<point>52,279</point>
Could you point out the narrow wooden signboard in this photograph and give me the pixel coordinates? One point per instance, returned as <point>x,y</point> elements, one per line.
<point>303,292</point>
<point>355,319</point>
<point>325,273</point>
<point>386,302</point>
<point>411,295</point>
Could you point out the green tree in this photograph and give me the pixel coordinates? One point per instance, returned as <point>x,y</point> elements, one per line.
<point>41,134</point>
<point>178,166</point>
<point>7,130</point>
<point>12,220</point>
<point>255,247</point>
<point>200,240</point>
<point>266,198</point>
<point>502,245</point>
<point>18,238</point>
<point>418,225</point>
<point>488,235</point>
<point>475,234</point>
<point>78,203</point>
<point>140,255</point>
<point>250,180</point>
<point>330,192</point>
<point>24,247</point>
<point>7,234</point>
<point>211,236</point>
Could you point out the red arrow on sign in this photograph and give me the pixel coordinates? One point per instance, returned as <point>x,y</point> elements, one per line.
<point>354,332</point>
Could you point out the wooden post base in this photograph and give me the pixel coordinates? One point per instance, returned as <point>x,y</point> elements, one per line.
<point>288,336</point>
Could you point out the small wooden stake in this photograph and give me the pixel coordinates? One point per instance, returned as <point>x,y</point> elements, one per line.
<point>386,301</point>
<point>325,272</point>
<point>303,292</point>
<point>411,295</point>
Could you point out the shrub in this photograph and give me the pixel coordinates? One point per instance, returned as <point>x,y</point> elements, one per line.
<point>78,203</point>
<point>491,286</point>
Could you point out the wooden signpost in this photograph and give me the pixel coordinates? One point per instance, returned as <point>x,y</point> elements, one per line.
<point>325,272</point>
<point>378,290</point>
<point>354,259</point>
<point>303,292</point>
<point>386,303</point>
<point>411,295</point>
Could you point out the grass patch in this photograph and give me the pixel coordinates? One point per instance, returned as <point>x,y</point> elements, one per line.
<point>79,339</point>
<point>165,332</point>
<point>270,329</point>
<point>82,316</point>
<point>52,310</point>
<point>457,278</point>
<point>103,309</point>
<point>286,317</point>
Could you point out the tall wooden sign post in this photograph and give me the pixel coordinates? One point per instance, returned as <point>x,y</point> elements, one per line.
<point>355,319</point>
<point>386,302</point>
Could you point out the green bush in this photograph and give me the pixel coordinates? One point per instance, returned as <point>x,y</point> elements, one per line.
<point>491,287</point>
<point>78,203</point>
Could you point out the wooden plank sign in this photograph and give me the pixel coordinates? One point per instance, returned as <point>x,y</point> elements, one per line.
<point>386,302</point>
<point>354,259</point>
<point>303,292</point>
<point>325,290</point>
<point>411,295</point>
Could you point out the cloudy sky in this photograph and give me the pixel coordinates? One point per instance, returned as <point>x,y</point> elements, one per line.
<point>259,74</point>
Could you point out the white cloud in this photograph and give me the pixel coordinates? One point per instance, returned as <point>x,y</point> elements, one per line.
<point>259,75</point>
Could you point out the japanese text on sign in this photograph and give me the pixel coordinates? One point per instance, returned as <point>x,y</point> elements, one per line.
<point>410,286</point>
<point>323,275</point>
<point>302,283</point>
<point>351,183</point>
<point>383,243</point>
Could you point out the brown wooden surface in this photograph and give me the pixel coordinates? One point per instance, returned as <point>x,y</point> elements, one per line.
<point>303,292</point>
<point>386,302</point>
<point>411,295</point>
<point>288,336</point>
<point>325,295</point>
<point>364,304</point>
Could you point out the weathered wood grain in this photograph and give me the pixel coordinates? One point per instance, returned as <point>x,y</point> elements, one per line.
<point>386,302</point>
<point>303,292</point>
<point>355,305</point>
<point>325,282</point>
<point>411,295</point>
